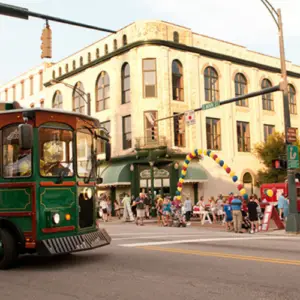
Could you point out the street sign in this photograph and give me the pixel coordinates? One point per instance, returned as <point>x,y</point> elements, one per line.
<point>293,157</point>
<point>291,135</point>
<point>190,117</point>
<point>210,105</point>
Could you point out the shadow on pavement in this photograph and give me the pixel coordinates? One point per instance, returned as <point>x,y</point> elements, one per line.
<point>67,261</point>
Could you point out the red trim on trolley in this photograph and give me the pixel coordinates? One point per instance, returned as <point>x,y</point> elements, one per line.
<point>81,183</point>
<point>16,214</point>
<point>58,229</point>
<point>51,183</point>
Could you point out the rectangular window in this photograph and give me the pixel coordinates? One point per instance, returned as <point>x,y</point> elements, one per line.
<point>179,131</point>
<point>41,81</point>
<point>31,86</point>
<point>127,138</point>
<point>268,130</point>
<point>149,77</point>
<point>22,89</point>
<point>213,133</point>
<point>243,136</point>
<point>151,129</point>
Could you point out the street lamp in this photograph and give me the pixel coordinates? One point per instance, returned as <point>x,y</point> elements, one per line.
<point>292,224</point>
<point>80,92</point>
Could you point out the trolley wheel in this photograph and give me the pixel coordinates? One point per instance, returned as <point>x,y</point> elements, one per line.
<point>8,249</point>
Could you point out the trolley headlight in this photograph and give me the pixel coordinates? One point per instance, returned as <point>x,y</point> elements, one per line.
<point>56,218</point>
<point>87,193</point>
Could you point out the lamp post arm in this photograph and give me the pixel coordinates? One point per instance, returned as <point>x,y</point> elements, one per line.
<point>271,10</point>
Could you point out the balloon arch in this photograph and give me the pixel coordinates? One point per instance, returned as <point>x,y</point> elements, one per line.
<point>198,152</point>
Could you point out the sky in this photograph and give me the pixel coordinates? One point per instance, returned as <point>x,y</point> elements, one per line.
<point>243,22</point>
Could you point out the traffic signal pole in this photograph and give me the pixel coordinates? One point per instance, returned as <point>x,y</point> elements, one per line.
<point>24,13</point>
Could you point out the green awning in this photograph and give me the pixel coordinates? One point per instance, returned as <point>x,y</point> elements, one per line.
<point>195,173</point>
<point>116,174</point>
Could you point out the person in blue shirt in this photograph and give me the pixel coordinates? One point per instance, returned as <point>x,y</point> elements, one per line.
<point>280,205</point>
<point>286,207</point>
<point>236,205</point>
<point>228,215</point>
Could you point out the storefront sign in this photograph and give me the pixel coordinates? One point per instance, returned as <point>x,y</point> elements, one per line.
<point>158,173</point>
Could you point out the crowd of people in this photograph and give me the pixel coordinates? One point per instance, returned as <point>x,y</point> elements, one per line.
<point>235,211</point>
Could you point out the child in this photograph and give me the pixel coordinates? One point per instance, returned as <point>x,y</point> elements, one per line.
<point>228,215</point>
<point>253,217</point>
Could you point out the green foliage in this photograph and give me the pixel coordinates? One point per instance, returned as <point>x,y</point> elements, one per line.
<point>273,148</point>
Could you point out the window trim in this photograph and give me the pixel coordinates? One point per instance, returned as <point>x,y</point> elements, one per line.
<point>80,96</point>
<point>269,126</point>
<point>181,89</point>
<point>124,133</point>
<point>243,150</point>
<point>104,100</point>
<point>267,98</point>
<point>144,90</point>
<point>184,133</point>
<point>209,77</point>
<point>54,97</point>
<point>212,135</point>
<point>239,103</point>
<point>122,83</point>
<point>295,112</point>
<point>2,153</point>
<point>145,127</point>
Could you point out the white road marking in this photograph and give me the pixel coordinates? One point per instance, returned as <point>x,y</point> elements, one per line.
<point>154,237</point>
<point>205,240</point>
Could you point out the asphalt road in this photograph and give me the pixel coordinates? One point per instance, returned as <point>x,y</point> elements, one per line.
<point>164,263</point>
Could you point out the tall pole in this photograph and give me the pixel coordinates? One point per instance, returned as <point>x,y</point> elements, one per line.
<point>292,224</point>
<point>88,95</point>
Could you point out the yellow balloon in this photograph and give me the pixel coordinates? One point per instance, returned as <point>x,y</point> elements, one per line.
<point>232,174</point>
<point>199,151</point>
<point>225,166</point>
<point>178,197</point>
<point>183,172</point>
<point>185,165</point>
<point>211,154</point>
<point>193,154</point>
<point>243,192</point>
<point>204,152</point>
<point>218,160</point>
<point>181,180</point>
<point>188,158</point>
<point>270,193</point>
<point>179,189</point>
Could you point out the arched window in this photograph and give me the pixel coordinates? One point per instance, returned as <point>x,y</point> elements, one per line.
<point>74,65</point>
<point>97,53</point>
<point>67,68</point>
<point>57,101</point>
<point>105,49</point>
<point>211,84</point>
<point>176,37</point>
<point>89,57</point>
<point>81,61</point>
<point>124,39</point>
<point>177,80</point>
<point>115,44</point>
<point>59,71</point>
<point>102,91</point>
<point>268,103</point>
<point>78,100</point>
<point>248,181</point>
<point>53,74</point>
<point>125,74</point>
<point>292,99</point>
<point>240,86</point>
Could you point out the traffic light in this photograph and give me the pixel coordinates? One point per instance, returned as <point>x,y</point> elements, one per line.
<point>279,164</point>
<point>46,46</point>
<point>154,132</point>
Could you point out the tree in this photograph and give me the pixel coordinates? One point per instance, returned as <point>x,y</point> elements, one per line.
<point>273,148</point>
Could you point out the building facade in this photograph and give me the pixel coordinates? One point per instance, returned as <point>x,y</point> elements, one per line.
<point>28,89</point>
<point>153,69</point>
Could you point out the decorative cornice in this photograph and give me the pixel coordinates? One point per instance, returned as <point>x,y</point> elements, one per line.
<point>176,46</point>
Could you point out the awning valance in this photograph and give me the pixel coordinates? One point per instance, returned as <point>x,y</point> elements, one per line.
<point>195,173</point>
<point>116,175</point>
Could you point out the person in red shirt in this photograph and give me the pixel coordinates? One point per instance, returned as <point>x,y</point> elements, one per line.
<point>230,198</point>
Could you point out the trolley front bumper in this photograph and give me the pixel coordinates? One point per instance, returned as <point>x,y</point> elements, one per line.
<point>74,243</point>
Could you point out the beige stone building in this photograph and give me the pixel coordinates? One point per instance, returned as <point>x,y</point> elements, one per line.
<point>154,69</point>
<point>28,89</point>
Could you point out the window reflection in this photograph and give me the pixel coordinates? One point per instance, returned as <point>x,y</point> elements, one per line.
<point>84,151</point>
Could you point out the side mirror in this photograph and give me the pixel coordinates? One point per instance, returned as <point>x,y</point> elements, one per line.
<point>99,180</point>
<point>25,136</point>
<point>107,151</point>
